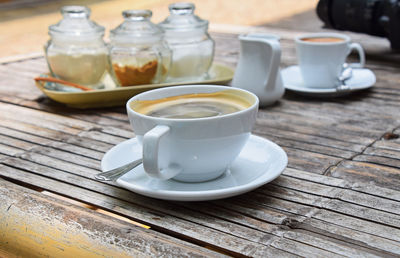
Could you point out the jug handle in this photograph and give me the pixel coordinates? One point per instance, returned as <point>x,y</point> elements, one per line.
<point>274,63</point>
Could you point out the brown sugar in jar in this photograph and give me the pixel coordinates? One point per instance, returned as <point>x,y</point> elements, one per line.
<point>138,53</point>
<point>129,75</point>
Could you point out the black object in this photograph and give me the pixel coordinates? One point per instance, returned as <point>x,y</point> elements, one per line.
<point>374,17</point>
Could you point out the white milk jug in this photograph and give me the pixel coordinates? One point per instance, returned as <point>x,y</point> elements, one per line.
<point>258,67</point>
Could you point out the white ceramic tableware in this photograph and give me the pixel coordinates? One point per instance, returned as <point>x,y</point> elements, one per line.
<point>361,79</point>
<point>195,149</point>
<point>321,63</point>
<point>258,67</point>
<point>259,162</point>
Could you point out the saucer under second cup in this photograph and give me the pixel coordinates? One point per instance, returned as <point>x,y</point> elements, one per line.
<point>361,79</point>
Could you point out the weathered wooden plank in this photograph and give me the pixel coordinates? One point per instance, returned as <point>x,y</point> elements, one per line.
<point>308,138</point>
<point>219,240</point>
<point>10,150</point>
<point>388,144</point>
<point>355,171</point>
<point>77,150</point>
<point>117,113</point>
<point>378,160</point>
<point>12,69</point>
<point>108,125</point>
<point>102,122</point>
<point>19,92</point>
<point>29,68</point>
<point>73,158</point>
<point>367,200</point>
<point>340,183</point>
<point>103,137</point>
<point>8,112</point>
<point>45,117</point>
<point>340,117</point>
<point>40,135</point>
<point>23,136</point>
<point>299,144</point>
<point>15,143</point>
<point>302,249</point>
<point>332,246</point>
<point>65,165</point>
<point>384,218</point>
<point>364,230</point>
<point>352,107</point>
<point>193,216</point>
<point>382,234</point>
<point>314,162</point>
<point>30,227</point>
<point>358,240</point>
<point>311,127</point>
<point>368,213</point>
<point>380,106</point>
<point>340,226</point>
<point>116,131</point>
<point>23,57</point>
<point>382,153</point>
<point>229,210</point>
<point>78,180</point>
<point>55,132</point>
<point>97,117</point>
<point>88,143</point>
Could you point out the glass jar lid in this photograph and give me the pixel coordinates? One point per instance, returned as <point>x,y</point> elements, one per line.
<point>76,22</point>
<point>182,18</point>
<point>136,27</point>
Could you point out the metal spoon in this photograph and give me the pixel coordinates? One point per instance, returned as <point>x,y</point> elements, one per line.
<point>114,174</point>
<point>346,74</point>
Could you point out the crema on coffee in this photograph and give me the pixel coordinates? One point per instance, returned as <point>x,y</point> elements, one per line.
<point>197,105</point>
<point>322,39</point>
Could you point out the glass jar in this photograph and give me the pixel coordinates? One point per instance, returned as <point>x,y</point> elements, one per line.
<point>138,53</point>
<point>191,45</point>
<point>76,51</point>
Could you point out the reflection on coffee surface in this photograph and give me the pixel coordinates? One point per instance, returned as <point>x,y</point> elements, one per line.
<point>193,105</point>
<point>322,39</point>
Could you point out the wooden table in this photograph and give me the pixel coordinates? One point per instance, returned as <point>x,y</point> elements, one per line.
<point>339,195</point>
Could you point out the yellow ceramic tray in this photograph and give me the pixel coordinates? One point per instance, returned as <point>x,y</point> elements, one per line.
<point>220,74</point>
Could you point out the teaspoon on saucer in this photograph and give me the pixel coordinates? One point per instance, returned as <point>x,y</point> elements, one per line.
<point>346,74</point>
<point>114,174</point>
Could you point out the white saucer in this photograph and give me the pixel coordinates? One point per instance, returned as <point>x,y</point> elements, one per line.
<point>362,79</point>
<point>260,162</point>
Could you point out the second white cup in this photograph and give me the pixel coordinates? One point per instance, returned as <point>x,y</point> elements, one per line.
<point>321,57</point>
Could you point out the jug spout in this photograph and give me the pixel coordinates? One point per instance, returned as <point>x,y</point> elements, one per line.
<point>258,67</point>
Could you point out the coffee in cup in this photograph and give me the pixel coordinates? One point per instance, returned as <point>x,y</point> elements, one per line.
<point>322,39</point>
<point>192,133</point>
<point>192,105</point>
<point>322,56</point>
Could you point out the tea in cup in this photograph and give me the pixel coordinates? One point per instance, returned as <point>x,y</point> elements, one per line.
<point>192,133</point>
<point>322,56</point>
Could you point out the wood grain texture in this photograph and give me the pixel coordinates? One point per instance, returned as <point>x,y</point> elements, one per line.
<point>29,227</point>
<point>339,196</point>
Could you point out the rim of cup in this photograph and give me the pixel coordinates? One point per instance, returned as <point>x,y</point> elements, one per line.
<point>346,39</point>
<point>254,105</point>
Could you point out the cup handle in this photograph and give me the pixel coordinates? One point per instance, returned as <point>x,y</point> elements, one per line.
<point>361,55</point>
<point>151,144</point>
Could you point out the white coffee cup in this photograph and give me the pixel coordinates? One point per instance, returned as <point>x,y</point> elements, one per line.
<point>191,149</point>
<point>321,63</point>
